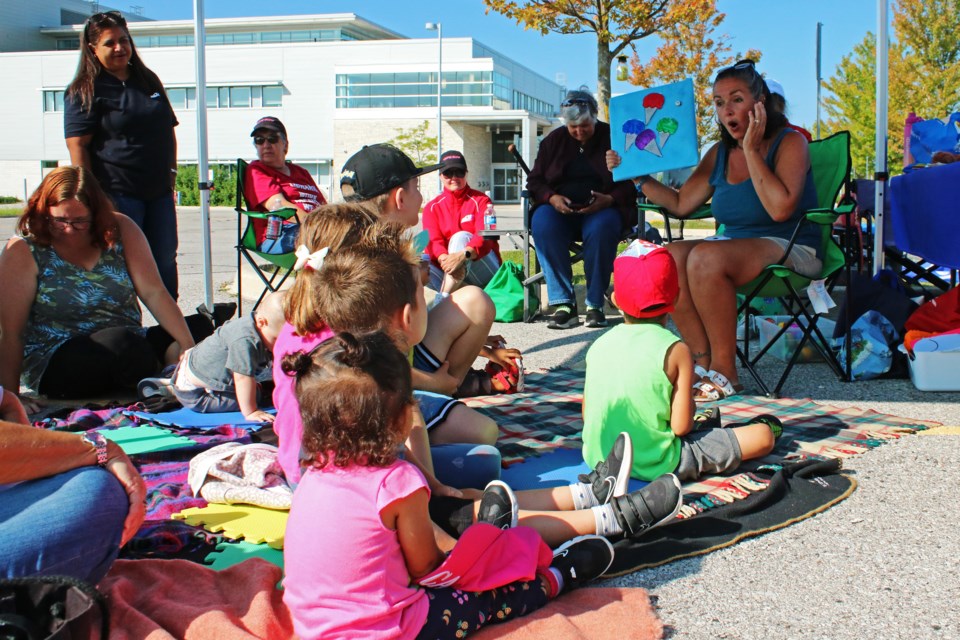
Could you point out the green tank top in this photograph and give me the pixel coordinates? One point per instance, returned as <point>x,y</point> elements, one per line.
<point>627,389</point>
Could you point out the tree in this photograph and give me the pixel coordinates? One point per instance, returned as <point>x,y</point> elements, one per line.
<point>616,23</point>
<point>924,77</point>
<point>691,50</point>
<point>417,144</point>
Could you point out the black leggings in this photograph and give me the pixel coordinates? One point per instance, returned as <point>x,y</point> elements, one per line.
<point>111,359</point>
<point>454,613</point>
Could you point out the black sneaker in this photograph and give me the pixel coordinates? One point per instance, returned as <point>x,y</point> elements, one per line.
<point>582,559</point>
<point>498,506</point>
<point>657,503</point>
<point>564,317</point>
<point>707,419</point>
<point>150,387</point>
<point>595,318</point>
<point>609,479</point>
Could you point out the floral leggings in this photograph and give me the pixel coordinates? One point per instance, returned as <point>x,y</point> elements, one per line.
<point>456,614</point>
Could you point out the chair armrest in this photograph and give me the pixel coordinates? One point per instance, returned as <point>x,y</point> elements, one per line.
<point>284,214</point>
<point>823,217</point>
<point>700,214</point>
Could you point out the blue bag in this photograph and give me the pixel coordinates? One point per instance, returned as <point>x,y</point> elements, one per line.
<point>871,338</point>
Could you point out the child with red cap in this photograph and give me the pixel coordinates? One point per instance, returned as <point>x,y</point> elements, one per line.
<point>640,380</point>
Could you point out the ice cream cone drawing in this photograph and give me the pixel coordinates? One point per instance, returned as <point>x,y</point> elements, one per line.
<point>665,128</point>
<point>632,128</point>
<point>652,102</point>
<point>647,141</point>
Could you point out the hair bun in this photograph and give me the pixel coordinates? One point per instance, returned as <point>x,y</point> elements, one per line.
<point>355,351</point>
<point>296,363</point>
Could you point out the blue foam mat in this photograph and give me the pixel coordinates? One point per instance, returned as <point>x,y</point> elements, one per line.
<point>556,469</point>
<point>189,419</point>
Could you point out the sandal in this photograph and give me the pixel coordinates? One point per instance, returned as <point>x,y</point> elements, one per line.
<point>475,383</point>
<point>713,386</point>
<point>503,380</point>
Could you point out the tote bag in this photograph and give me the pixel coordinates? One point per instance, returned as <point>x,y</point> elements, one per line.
<point>506,291</point>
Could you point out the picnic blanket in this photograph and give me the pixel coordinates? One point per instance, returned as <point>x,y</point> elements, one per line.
<point>546,417</point>
<point>178,599</point>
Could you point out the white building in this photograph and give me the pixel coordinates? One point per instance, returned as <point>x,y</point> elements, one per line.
<point>337,81</point>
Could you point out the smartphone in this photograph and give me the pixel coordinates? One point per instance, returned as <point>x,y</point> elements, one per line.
<point>576,206</point>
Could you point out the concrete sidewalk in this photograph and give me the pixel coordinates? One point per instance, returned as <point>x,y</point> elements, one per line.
<point>881,564</point>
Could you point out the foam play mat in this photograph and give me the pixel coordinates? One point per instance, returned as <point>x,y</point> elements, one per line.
<point>253,524</point>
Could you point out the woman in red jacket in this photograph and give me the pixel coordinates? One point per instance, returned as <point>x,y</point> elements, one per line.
<point>454,220</point>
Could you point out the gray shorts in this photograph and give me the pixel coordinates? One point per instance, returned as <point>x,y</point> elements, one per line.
<point>802,259</point>
<point>708,452</point>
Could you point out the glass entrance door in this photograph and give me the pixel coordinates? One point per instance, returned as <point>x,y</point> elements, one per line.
<point>506,183</point>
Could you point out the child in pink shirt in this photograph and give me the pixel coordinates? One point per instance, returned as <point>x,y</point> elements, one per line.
<point>356,578</point>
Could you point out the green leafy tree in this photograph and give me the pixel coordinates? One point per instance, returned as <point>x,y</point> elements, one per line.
<point>224,189</point>
<point>417,144</point>
<point>616,23</point>
<point>187,185</point>
<point>691,49</point>
<point>924,77</point>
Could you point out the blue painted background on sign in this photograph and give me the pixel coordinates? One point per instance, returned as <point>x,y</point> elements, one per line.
<point>654,130</point>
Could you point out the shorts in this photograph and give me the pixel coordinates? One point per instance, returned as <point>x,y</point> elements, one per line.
<point>708,452</point>
<point>434,407</point>
<point>802,259</point>
<point>425,361</point>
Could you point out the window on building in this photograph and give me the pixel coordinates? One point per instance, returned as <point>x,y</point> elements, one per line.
<point>240,97</point>
<point>272,96</point>
<point>53,100</point>
<point>408,89</point>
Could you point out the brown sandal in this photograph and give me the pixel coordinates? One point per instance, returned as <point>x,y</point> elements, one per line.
<point>475,383</point>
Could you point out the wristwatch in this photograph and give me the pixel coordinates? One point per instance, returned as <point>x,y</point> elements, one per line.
<point>98,442</point>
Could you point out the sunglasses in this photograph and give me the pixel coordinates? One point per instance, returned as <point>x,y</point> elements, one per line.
<point>573,101</point>
<point>261,140</point>
<point>453,173</point>
<point>76,223</point>
<point>740,66</point>
<point>107,16</point>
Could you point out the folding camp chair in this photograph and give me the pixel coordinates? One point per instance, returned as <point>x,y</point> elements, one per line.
<point>830,161</point>
<point>278,266</point>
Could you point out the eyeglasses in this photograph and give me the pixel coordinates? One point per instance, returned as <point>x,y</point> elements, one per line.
<point>260,140</point>
<point>76,223</point>
<point>453,173</point>
<point>573,101</point>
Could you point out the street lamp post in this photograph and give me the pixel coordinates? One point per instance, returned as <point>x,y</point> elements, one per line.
<point>436,26</point>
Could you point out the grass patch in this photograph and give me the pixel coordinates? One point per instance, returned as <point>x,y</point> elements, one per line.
<point>707,223</point>
<point>10,210</point>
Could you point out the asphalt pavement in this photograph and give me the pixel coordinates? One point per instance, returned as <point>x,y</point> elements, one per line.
<point>881,564</point>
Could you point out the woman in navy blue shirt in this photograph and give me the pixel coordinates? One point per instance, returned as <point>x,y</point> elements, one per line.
<point>118,123</point>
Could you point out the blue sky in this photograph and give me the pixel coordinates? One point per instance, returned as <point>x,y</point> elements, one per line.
<point>784,31</point>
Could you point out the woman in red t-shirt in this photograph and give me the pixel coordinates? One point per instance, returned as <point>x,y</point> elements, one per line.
<point>272,183</point>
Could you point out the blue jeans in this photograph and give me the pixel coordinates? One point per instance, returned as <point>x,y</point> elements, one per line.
<point>67,524</point>
<point>157,218</point>
<point>552,234</point>
<point>286,243</point>
<point>465,466</point>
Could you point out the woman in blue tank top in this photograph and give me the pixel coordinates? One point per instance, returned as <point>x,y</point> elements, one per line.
<point>759,179</point>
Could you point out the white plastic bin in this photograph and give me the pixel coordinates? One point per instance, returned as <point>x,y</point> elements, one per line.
<point>935,365</point>
<point>782,349</point>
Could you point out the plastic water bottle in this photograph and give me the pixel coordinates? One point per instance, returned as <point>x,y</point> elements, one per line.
<point>490,218</point>
<point>273,227</point>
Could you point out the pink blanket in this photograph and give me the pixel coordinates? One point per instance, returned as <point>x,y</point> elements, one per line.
<point>164,599</point>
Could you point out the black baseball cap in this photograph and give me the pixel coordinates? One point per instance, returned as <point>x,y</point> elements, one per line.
<point>452,160</point>
<point>376,169</point>
<point>269,122</point>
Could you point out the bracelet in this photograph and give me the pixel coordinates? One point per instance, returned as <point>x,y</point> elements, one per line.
<point>640,181</point>
<point>99,443</point>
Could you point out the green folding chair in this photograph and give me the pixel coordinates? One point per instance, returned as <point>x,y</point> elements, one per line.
<point>272,269</point>
<point>830,161</point>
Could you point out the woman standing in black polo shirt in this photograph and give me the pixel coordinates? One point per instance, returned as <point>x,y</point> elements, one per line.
<point>119,124</point>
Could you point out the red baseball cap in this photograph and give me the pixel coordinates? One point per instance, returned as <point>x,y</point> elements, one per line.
<point>645,282</point>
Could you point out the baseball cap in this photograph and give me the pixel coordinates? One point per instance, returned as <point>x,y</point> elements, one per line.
<point>376,169</point>
<point>775,87</point>
<point>452,160</point>
<point>645,281</point>
<point>269,122</point>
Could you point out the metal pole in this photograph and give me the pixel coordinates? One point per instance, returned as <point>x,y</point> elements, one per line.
<point>880,164</point>
<point>203,174</point>
<point>819,77</point>
<point>438,27</point>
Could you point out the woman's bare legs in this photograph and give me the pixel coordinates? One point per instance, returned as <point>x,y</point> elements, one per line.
<point>716,269</point>
<point>685,314</point>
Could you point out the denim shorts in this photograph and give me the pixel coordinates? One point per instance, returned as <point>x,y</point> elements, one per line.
<point>708,452</point>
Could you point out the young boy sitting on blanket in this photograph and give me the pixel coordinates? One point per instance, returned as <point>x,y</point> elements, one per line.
<point>221,373</point>
<point>640,380</point>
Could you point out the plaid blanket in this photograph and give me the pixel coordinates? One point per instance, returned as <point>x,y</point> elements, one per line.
<point>547,415</point>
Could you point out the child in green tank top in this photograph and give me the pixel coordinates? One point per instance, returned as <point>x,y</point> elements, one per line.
<point>640,380</point>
